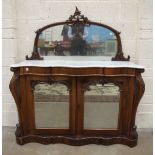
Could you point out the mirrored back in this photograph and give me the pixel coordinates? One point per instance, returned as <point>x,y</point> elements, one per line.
<point>77,40</point>
<point>78,36</point>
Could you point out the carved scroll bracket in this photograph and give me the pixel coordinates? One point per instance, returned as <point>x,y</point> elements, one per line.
<point>14,87</point>
<point>120,57</point>
<point>34,56</point>
<point>139,88</point>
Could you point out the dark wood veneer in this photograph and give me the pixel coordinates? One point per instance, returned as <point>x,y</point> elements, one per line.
<point>77,80</point>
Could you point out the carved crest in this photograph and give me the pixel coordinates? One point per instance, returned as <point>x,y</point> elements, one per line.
<point>77,16</point>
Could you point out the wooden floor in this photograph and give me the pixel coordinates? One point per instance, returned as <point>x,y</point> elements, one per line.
<point>144,147</point>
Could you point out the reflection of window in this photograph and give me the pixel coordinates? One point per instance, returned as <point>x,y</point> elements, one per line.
<point>98,34</point>
<point>95,38</point>
<point>110,46</point>
<point>48,35</point>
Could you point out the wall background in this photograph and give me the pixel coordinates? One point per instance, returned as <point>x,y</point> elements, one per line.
<point>21,18</point>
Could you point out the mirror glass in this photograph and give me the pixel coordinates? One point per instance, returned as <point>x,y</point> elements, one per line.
<point>101,106</point>
<point>77,40</point>
<point>51,105</point>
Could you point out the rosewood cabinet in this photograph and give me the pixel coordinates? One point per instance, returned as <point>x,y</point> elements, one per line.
<point>77,106</point>
<point>77,87</point>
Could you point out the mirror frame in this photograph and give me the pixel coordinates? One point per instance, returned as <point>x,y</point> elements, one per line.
<point>77,18</point>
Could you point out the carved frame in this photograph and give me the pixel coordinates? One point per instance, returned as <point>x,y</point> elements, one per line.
<point>77,18</point>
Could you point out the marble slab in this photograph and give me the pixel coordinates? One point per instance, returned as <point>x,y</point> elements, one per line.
<point>77,64</point>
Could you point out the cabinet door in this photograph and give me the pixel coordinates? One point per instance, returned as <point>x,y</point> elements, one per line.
<point>49,104</point>
<point>101,101</point>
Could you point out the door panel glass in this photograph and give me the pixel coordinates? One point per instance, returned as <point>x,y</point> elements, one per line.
<point>101,106</point>
<point>51,105</point>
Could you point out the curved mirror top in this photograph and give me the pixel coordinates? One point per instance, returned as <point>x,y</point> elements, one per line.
<point>78,36</point>
<point>77,40</point>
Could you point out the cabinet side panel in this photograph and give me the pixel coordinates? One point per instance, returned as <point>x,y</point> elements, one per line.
<point>24,104</point>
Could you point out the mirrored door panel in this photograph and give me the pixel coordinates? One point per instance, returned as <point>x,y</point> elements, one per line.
<point>101,106</point>
<point>51,103</point>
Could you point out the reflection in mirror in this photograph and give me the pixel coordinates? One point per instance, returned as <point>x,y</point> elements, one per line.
<point>51,105</point>
<point>101,106</point>
<point>77,40</point>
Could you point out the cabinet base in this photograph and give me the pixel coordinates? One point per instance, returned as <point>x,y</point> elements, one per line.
<point>76,141</point>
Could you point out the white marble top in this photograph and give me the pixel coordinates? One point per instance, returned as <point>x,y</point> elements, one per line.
<point>77,64</point>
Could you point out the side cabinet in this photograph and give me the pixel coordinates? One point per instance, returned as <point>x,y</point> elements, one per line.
<point>76,106</point>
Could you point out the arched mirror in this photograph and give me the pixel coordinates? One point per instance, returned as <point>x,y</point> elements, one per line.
<point>77,40</point>
<point>77,36</point>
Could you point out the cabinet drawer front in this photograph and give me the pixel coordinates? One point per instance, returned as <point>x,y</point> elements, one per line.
<point>77,71</point>
<point>35,70</point>
<point>119,71</point>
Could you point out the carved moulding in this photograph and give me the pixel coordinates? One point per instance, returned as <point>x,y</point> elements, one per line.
<point>102,81</point>
<point>50,82</point>
<point>75,141</point>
